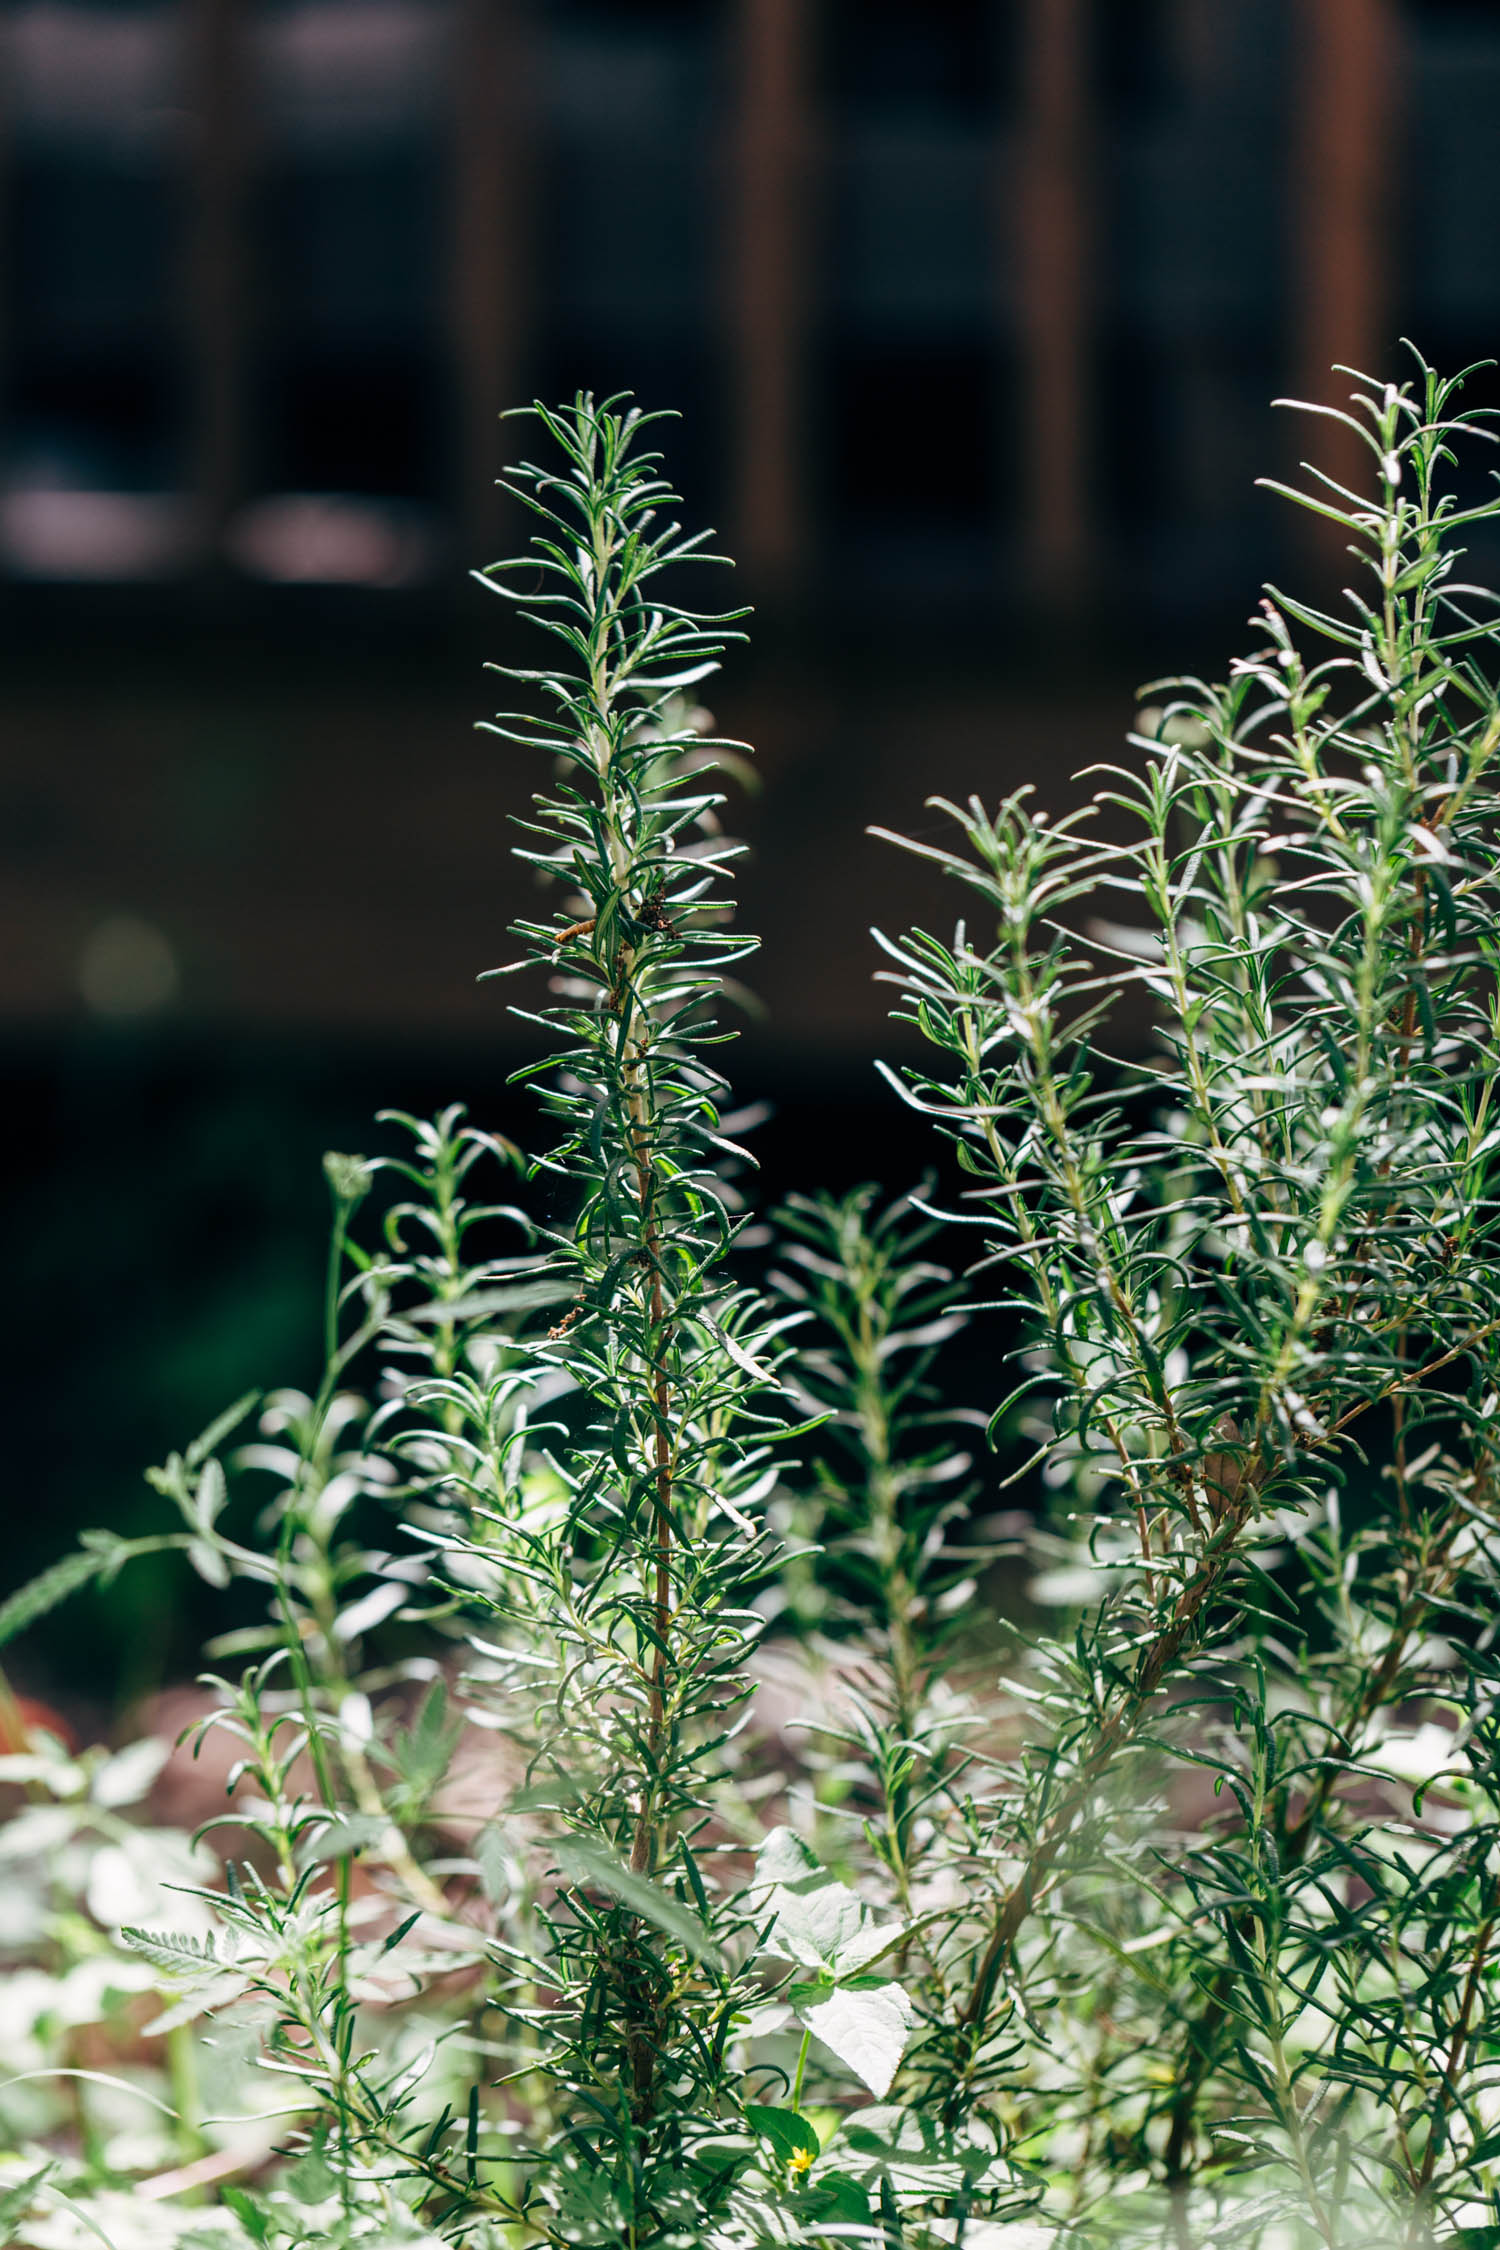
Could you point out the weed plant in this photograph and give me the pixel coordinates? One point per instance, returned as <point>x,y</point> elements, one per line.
<point>526,1919</point>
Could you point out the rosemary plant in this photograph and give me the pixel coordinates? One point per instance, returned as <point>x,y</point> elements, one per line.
<point>1256,1280</point>
<point>1178,1925</point>
<point>635,1625</point>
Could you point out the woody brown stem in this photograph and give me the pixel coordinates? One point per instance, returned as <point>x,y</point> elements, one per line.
<point>1152,1667</point>
<point>642,1850</point>
<point>643,1845</point>
<point>1462,2033</point>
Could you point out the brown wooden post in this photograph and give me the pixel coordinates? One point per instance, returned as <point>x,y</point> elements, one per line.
<point>1343,212</point>
<point>491,68</point>
<point>217,266</point>
<point>769,219</point>
<point>1049,190</point>
<point>7,207</point>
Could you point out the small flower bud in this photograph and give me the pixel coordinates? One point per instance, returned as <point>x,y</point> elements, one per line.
<point>350,1177</point>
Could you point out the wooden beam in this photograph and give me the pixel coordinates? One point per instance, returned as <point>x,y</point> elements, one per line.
<point>1050,194</point>
<point>7,271</point>
<point>217,267</point>
<point>491,68</point>
<point>769,220</point>
<point>1343,214</point>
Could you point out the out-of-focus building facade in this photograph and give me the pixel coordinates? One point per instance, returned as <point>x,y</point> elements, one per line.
<point>973,310</point>
<point>953,292</point>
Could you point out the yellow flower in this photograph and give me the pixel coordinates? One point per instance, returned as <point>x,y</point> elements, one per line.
<point>800,2161</point>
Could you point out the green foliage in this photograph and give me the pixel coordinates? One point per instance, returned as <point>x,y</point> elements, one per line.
<point>1178,1924</point>
<point>1257,1283</point>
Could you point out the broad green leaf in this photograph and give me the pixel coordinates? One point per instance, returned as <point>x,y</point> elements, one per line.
<point>866,2023</point>
<point>788,2133</point>
<point>819,1922</point>
<point>833,2195</point>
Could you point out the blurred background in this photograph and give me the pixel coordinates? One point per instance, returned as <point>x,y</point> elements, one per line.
<point>973,310</point>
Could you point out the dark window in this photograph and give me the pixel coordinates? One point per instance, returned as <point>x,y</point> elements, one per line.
<point>624,219</point>
<point>95,245</point>
<point>625,234</point>
<point>1133,62</point>
<point>910,437</point>
<point>365,422</point>
<point>95,393</point>
<point>110,418</point>
<point>353,249</point>
<point>944,56</point>
<point>911,234</point>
